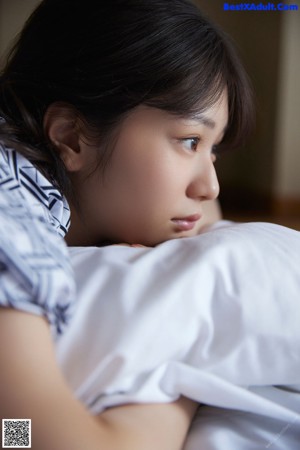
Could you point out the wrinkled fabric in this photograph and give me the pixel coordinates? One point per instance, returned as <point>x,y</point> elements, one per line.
<point>219,428</point>
<point>214,317</point>
<point>35,271</point>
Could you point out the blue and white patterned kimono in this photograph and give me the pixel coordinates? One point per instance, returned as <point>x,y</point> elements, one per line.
<point>35,271</point>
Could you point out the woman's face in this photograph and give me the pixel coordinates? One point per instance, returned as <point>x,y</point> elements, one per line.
<point>160,173</point>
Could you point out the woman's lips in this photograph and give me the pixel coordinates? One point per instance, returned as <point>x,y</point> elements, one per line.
<point>186,223</point>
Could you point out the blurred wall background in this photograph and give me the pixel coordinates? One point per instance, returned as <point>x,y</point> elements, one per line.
<point>13,14</point>
<point>264,177</point>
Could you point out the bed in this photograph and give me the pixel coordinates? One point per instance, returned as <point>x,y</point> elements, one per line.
<point>214,317</point>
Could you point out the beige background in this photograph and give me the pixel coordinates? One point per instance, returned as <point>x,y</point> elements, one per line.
<point>267,173</point>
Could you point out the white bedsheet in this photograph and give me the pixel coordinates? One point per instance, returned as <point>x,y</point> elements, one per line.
<point>221,429</point>
<point>215,318</point>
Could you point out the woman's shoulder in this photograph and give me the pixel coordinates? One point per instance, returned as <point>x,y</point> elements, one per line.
<point>35,271</point>
<point>42,198</point>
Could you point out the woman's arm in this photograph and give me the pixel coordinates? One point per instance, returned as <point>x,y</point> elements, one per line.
<point>32,386</point>
<point>151,426</point>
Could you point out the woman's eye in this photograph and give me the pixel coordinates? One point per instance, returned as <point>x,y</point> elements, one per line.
<point>191,143</point>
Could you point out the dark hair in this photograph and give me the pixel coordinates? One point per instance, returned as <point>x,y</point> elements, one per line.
<point>104,58</point>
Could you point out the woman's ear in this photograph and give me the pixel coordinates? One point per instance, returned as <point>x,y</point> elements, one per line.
<point>60,125</point>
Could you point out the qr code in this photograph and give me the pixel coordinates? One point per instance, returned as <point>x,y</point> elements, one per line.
<point>16,433</point>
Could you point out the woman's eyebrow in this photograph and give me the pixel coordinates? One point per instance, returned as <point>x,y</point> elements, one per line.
<point>210,123</point>
<point>200,118</point>
<point>204,120</point>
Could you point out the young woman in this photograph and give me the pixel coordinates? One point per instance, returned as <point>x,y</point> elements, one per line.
<point>112,114</point>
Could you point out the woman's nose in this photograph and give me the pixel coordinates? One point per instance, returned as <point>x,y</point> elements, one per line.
<point>205,184</point>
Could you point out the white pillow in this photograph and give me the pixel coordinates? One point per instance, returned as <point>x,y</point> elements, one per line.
<point>214,317</point>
